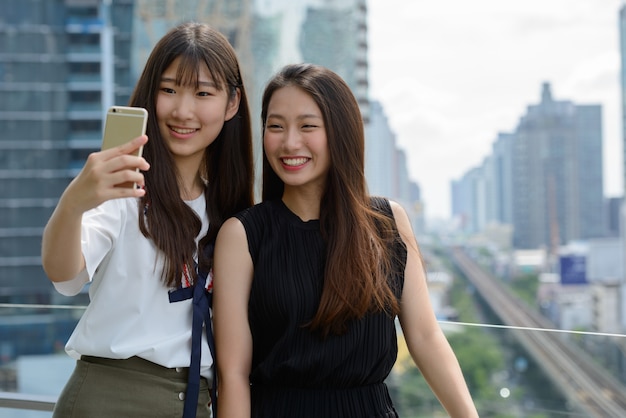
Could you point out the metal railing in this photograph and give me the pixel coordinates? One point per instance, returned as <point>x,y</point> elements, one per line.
<point>26,401</point>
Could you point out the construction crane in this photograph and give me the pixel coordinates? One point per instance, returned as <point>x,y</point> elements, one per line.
<point>555,239</point>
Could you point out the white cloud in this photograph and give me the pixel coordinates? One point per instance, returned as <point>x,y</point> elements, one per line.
<point>452,74</point>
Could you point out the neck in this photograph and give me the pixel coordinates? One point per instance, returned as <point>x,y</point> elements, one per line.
<point>305,205</point>
<point>190,183</point>
<point>191,190</point>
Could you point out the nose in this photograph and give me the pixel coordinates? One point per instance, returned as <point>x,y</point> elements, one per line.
<point>185,105</point>
<point>292,139</point>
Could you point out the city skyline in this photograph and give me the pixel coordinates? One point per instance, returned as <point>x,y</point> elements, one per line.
<point>452,75</point>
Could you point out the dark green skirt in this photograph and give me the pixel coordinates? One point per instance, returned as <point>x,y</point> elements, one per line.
<point>106,388</point>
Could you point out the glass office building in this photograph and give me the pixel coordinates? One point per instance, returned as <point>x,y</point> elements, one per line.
<point>62,63</point>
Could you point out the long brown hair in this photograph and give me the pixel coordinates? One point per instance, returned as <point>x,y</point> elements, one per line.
<point>227,165</point>
<point>358,238</point>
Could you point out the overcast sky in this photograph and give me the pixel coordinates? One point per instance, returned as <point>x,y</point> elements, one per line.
<point>451,74</point>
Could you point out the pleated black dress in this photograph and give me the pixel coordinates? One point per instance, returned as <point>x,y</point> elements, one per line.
<point>294,373</point>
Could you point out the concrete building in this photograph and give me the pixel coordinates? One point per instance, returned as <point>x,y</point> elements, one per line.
<point>461,198</point>
<point>439,284</point>
<point>545,179</point>
<point>502,153</point>
<point>613,207</point>
<point>469,200</point>
<point>622,46</point>
<point>557,173</point>
<point>573,308</point>
<point>334,34</point>
<point>586,291</point>
<point>380,148</point>
<point>605,271</point>
<point>62,63</point>
<point>386,167</point>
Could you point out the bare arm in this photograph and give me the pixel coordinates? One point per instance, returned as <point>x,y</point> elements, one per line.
<point>427,344</point>
<point>232,280</point>
<point>61,253</point>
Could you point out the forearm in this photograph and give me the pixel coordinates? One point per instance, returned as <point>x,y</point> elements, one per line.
<point>232,281</point>
<point>234,397</point>
<point>61,252</point>
<point>443,373</point>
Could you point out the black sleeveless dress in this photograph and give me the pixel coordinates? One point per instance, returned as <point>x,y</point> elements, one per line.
<point>294,373</point>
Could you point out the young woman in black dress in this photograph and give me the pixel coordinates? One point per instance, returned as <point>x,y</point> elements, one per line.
<point>309,282</point>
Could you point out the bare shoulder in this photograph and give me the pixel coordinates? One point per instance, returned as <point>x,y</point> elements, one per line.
<point>397,208</point>
<point>232,258</point>
<point>232,232</point>
<point>231,225</point>
<point>402,219</point>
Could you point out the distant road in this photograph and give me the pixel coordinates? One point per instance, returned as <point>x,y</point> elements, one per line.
<point>586,385</point>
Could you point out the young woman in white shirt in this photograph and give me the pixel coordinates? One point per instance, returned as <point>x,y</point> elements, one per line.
<point>147,251</point>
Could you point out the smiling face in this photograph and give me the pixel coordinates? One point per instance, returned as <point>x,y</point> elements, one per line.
<point>191,117</point>
<point>295,140</point>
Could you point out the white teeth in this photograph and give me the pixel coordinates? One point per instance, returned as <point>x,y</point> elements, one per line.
<point>294,161</point>
<point>182,130</point>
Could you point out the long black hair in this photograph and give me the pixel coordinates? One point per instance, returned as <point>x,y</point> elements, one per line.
<point>228,161</point>
<point>358,237</point>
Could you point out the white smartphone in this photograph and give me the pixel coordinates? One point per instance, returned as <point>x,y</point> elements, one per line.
<point>122,125</point>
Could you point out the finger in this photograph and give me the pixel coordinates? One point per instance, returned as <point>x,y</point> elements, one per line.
<point>122,183</point>
<point>131,148</point>
<point>134,145</point>
<point>128,148</point>
<point>125,190</point>
<point>125,162</point>
<point>126,179</point>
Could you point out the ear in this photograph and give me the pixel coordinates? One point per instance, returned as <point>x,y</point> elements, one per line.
<point>233,104</point>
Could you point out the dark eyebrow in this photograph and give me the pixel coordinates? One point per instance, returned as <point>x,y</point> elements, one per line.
<point>207,84</point>
<point>309,115</point>
<point>305,116</point>
<point>274,116</point>
<point>200,83</point>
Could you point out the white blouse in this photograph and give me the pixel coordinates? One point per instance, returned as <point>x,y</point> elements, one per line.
<point>129,313</point>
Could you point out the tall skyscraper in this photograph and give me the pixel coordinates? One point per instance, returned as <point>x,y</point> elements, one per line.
<point>622,46</point>
<point>62,62</point>
<point>468,200</point>
<point>386,167</point>
<point>503,160</point>
<point>613,207</point>
<point>334,34</point>
<point>380,153</point>
<point>545,179</point>
<point>557,174</point>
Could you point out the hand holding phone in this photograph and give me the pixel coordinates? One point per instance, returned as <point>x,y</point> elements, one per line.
<point>122,125</point>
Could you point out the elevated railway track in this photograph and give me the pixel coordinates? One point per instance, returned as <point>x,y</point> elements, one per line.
<point>589,388</point>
